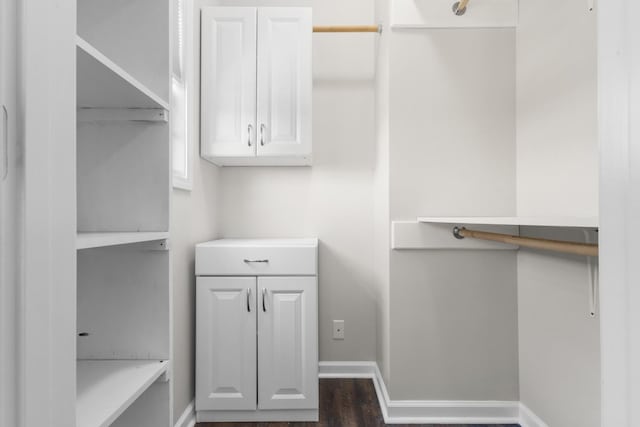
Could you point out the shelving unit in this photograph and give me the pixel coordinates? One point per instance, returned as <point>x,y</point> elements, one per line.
<point>581,222</point>
<point>123,197</point>
<point>106,388</point>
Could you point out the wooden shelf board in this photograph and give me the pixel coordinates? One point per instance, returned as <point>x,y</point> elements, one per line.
<point>103,84</point>
<point>98,240</point>
<point>582,222</point>
<point>106,388</point>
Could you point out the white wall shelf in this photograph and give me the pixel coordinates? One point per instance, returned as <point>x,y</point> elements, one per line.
<point>103,84</point>
<point>93,115</point>
<point>98,240</point>
<point>580,222</point>
<point>106,388</point>
<point>425,14</point>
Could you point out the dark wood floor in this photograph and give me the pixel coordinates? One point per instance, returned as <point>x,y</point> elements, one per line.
<point>343,403</point>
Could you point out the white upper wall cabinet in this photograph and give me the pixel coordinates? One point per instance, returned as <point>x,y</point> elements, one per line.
<point>256,86</point>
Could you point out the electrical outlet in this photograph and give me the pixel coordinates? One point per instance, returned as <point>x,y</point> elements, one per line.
<point>338,329</point>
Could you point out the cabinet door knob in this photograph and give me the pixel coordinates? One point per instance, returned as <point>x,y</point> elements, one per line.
<point>264,297</point>
<point>262,128</point>
<point>249,300</point>
<point>249,128</point>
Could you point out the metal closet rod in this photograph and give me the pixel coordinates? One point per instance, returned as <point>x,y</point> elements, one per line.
<point>530,242</point>
<point>348,29</point>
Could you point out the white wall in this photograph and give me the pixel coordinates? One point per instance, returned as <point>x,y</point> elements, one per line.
<point>453,315</point>
<point>557,165</point>
<point>194,219</point>
<point>557,119</point>
<point>559,341</point>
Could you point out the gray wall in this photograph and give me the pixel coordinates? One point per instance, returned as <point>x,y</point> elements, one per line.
<point>557,164</point>
<point>453,317</point>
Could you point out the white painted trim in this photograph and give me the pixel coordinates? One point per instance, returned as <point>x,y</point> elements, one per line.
<point>259,416</point>
<point>424,411</point>
<point>184,181</point>
<point>529,419</point>
<point>437,236</point>
<point>618,102</point>
<point>347,370</point>
<point>188,417</point>
<point>418,411</point>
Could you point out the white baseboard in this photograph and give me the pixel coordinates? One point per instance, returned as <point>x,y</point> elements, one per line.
<point>188,417</point>
<point>529,419</point>
<point>424,411</point>
<point>347,370</point>
<point>417,411</point>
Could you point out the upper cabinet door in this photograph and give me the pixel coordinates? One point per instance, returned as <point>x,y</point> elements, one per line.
<point>284,81</point>
<point>226,343</point>
<point>288,343</point>
<point>228,82</point>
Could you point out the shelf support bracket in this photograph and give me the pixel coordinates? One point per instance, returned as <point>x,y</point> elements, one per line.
<point>592,270</point>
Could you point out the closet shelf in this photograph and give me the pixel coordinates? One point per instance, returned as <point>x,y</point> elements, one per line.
<point>106,388</point>
<point>98,240</point>
<point>580,222</point>
<point>103,84</point>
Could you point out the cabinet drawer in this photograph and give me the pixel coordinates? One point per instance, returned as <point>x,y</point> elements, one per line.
<point>257,257</point>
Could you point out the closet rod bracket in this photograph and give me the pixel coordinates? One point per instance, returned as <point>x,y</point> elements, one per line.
<point>460,7</point>
<point>456,232</point>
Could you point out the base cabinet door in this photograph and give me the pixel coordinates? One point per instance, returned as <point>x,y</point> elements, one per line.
<point>288,343</point>
<point>226,343</point>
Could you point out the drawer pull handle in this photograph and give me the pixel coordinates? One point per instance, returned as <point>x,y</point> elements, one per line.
<point>249,300</point>
<point>264,296</point>
<point>262,127</point>
<point>249,261</point>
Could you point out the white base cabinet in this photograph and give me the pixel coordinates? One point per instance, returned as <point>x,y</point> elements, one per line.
<point>256,339</point>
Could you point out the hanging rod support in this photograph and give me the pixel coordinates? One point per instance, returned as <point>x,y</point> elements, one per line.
<point>348,29</point>
<point>460,7</point>
<point>530,242</point>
